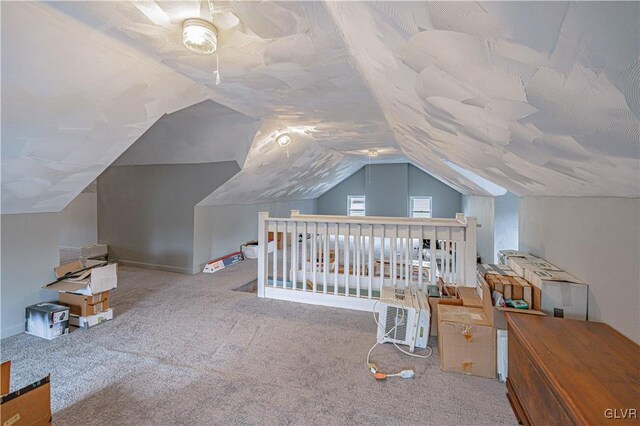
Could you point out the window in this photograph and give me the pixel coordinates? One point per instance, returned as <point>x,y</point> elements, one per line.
<point>355,205</point>
<point>421,207</point>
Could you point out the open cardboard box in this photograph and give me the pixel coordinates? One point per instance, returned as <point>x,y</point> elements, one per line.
<point>467,333</point>
<point>496,313</point>
<point>30,405</point>
<point>90,282</point>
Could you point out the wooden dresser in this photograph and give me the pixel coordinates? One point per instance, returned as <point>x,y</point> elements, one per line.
<point>564,372</point>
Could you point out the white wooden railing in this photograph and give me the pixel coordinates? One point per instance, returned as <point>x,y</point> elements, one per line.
<point>343,261</point>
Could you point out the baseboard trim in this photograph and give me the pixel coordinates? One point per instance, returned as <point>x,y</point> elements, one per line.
<point>12,331</point>
<point>69,248</point>
<point>155,266</point>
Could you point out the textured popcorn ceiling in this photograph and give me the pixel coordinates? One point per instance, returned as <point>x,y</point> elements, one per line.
<point>535,98</point>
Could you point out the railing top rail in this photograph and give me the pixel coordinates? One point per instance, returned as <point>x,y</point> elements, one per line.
<point>459,222</point>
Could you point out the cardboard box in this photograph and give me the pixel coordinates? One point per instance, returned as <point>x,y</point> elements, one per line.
<point>223,262</point>
<point>470,297</point>
<point>499,283</point>
<point>94,250</point>
<point>466,341</point>
<point>5,378</point>
<point>433,305</point>
<point>92,320</point>
<point>496,313</point>
<point>250,250</point>
<point>92,281</point>
<point>519,289</point>
<point>561,294</point>
<point>515,288</point>
<point>47,320</point>
<point>520,264</point>
<point>485,269</point>
<point>30,405</point>
<point>279,238</point>
<point>504,255</point>
<point>82,305</point>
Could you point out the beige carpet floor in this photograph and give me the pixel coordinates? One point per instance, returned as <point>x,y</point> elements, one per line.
<point>189,350</point>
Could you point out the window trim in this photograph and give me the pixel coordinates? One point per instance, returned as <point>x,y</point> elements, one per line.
<point>411,204</point>
<point>350,210</point>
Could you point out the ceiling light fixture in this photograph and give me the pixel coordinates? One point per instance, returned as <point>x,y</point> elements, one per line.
<point>373,152</point>
<point>283,139</point>
<point>199,36</point>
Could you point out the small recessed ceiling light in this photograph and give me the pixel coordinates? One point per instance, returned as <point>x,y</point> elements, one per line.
<point>199,36</point>
<point>373,152</point>
<point>284,139</point>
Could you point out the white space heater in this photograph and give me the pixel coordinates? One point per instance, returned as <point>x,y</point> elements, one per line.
<point>398,314</point>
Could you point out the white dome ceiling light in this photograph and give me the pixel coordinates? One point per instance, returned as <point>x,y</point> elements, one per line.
<point>283,139</point>
<point>199,36</point>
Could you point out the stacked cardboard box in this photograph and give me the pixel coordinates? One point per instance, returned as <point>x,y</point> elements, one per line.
<point>556,292</point>
<point>512,288</point>
<point>94,251</point>
<point>401,267</point>
<point>505,255</point>
<point>84,306</point>
<point>87,294</point>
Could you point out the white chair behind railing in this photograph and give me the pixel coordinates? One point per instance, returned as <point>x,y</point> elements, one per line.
<point>344,261</point>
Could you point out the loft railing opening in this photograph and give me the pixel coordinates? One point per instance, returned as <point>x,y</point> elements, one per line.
<point>344,261</point>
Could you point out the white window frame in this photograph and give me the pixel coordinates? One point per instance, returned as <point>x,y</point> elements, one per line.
<point>356,212</point>
<point>424,214</point>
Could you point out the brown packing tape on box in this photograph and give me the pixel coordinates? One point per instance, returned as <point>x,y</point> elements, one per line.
<point>84,306</point>
<point>30,405</point>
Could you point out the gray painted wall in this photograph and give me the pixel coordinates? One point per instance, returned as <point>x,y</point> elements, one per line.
<point>483,209</point>
<point>446,200</point>
<point>146,213</point>
<point>29,254</point>
<point>505,223</point>
<point>598,241</point>
<point>79,221</point>
<point>220,230</point>
<point>388,188</point>
<point>334,201</point>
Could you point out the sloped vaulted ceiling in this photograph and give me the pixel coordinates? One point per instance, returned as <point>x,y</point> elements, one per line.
<point>539,98</point>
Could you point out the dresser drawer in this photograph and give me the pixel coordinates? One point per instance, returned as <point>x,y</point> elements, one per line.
<point>530,389</point>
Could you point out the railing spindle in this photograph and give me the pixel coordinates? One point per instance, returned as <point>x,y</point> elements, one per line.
<point>275,254</point>
<point>336,256</point>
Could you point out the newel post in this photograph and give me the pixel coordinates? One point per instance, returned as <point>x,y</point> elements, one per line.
<point>263,251</point>
<point>470,251</point>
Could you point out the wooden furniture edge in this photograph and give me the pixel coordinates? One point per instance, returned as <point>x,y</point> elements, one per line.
<point>552,383</point>
<point>516,406</point>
